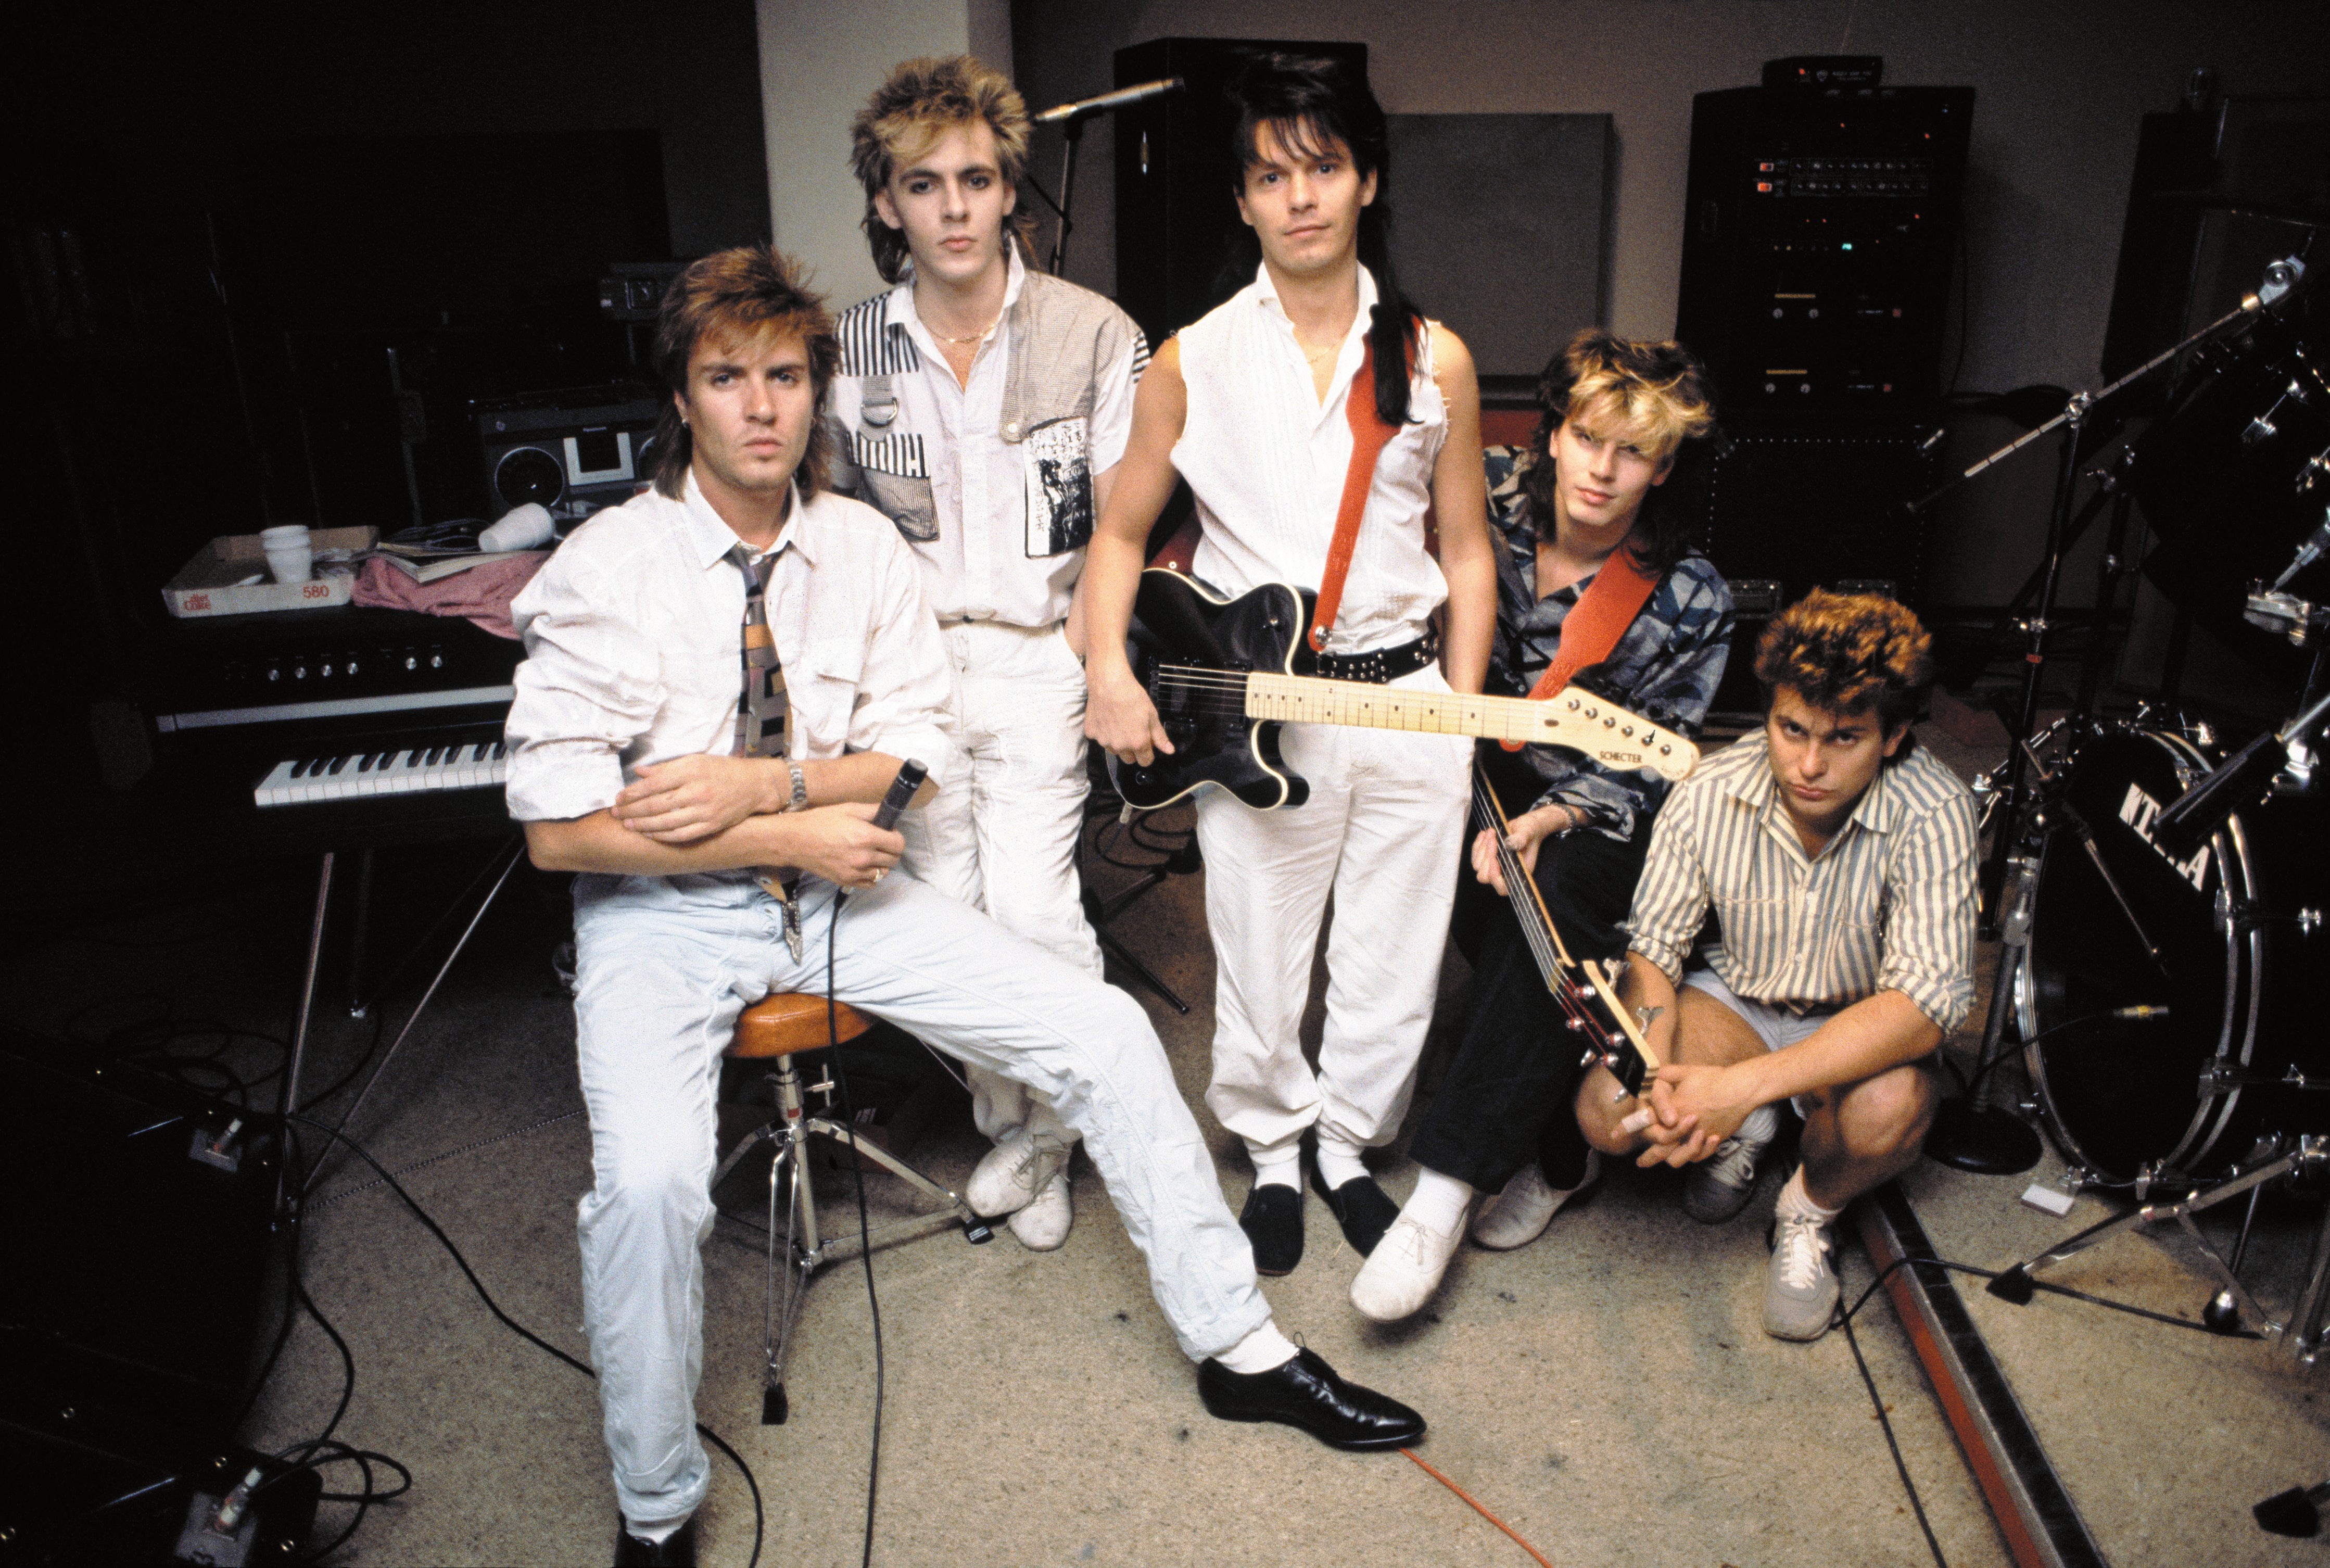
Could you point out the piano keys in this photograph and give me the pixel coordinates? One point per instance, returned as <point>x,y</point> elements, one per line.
<point>357,775</point>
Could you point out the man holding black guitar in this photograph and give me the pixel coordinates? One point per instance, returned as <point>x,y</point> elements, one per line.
<point>1318,418</point>
<point>1595,576</point>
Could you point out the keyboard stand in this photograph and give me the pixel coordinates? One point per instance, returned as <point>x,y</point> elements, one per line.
<point>498,868</point>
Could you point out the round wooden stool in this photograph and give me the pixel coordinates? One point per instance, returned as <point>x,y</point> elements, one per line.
<point>774,1030</point>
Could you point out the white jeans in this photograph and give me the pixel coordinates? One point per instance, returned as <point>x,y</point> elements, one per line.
<point>1382,830</point>
<point>1005,842</point>
<point>665,967</point>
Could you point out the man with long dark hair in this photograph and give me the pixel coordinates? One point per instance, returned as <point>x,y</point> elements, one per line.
<point>1581,515</point>
<point>1249,406</point>
<point>719,807</point>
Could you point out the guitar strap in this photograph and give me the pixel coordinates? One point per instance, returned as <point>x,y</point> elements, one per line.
<point>1370,434</point>
<point>1588,632</point>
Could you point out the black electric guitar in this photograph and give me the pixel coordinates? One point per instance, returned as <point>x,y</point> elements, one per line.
<point>1226,673</point>
<point>1588,993</point>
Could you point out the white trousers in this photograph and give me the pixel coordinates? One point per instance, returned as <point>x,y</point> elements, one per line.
<point>1005,842</point>
<point>665,967</point>
<point>1382,831</point>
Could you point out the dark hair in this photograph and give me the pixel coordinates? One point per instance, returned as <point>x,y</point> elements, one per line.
<point>744,292</point>
<point>916,103</point>
<point>1659,398</point>
<point>1310,102</point>
<point>1849,653</point>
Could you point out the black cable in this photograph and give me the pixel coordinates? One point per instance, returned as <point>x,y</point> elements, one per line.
<point>1901,1466</point>
<point>750,1482</point>
<point>864,1226</point>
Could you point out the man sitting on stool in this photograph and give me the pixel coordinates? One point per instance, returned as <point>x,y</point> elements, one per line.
<point>713,876</point>
<point>1839,857</point>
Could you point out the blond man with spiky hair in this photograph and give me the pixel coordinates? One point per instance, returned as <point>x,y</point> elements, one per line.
<point>983,408</point>
<point>1838,857</point>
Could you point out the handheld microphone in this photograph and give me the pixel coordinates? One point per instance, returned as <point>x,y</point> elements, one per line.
<point>1122,97</point>
<point>901,792</point>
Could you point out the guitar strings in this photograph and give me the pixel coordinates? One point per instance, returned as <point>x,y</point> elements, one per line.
<point>1533,929</point>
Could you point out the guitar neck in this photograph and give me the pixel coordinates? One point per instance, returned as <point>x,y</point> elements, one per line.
<point>1571,717</point>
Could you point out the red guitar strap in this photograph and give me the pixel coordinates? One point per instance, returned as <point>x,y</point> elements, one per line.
<point>1588,632</point>
<point>1370,432</point>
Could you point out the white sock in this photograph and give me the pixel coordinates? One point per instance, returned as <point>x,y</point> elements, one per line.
<point>659,1532</point>
<point>1794,1200</point>
<point>1762,1125</point>
<point>1282,1167</point>
<point>1260,1350</point>
<point>1438,1202</point>
<point>1339,1163</point>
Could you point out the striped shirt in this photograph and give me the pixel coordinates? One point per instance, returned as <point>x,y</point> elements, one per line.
<point>1888,905</point>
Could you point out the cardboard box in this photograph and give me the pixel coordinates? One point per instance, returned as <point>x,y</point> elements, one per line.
<point>212,584</point>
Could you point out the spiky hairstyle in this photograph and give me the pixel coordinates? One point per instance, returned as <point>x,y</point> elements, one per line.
<point>739,293</point>
<point>918,102</point>
<point>1849,653</point>
<point>1652,395</point>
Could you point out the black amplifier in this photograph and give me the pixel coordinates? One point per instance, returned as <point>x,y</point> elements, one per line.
<point>310,664</point>
<point>572,451</point>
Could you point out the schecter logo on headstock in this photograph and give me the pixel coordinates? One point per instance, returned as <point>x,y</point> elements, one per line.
<point>2138,809</point>
<point>1622,758</point>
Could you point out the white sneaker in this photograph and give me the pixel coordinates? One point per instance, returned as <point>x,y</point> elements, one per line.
<point>1718,1186</point>
<point>1042,1223</point>
<point>1013,1172</point>
<point>1800,1290</point>
<point>1520,1215</point>
<point>1404,1270</point>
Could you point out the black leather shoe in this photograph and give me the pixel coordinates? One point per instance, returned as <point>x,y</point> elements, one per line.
<point>1306,1392</point>
<point>677,1550</point>
<point>1361,1209</point>
<point>1273,1220</point>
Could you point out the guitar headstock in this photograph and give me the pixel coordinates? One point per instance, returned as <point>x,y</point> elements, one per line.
<point>1623,1051</point>
<point>1576,718</point>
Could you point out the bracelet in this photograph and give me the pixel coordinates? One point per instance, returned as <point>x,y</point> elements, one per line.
<point>799,800</point>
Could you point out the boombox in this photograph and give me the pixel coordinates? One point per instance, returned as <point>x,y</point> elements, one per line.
<point>574,450</point>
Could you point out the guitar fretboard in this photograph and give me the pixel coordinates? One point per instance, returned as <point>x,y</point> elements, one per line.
<point>1569,718</point>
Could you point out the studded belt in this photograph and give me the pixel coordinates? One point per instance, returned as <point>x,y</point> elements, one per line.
<point>1380,665</point>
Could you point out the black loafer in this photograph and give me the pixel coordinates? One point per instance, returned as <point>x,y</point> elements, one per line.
<point>677,1550</point>
<point>1306,1392</point>
<point>1361,1208</point>
<point>1273,1220</point>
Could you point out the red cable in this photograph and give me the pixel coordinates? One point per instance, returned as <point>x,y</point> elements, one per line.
<point>1485,1512</point>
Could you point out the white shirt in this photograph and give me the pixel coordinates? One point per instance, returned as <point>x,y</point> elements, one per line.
<point>978,568</point>
<point>1266,457</point>
<point>632,635</point>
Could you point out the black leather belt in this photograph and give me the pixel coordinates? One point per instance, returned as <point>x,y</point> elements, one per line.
<point>1379,665</point>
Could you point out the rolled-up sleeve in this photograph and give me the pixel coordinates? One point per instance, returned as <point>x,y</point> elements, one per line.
<point>1930,926</point>
<point>1670,898</point>
<point>588,688</point>
<point>907,689</point>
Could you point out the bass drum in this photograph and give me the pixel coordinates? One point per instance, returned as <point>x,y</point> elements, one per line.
<point>2129,1099</point>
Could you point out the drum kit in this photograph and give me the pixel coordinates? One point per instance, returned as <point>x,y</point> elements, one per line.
<point>2160,905</point>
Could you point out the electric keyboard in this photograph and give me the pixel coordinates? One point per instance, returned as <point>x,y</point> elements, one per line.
<point>360,775</point>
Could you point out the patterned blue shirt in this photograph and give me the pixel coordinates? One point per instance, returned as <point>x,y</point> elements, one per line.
<point>1665,666</point>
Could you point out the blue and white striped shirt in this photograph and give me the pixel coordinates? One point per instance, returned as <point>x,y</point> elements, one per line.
<point>1888,905</point>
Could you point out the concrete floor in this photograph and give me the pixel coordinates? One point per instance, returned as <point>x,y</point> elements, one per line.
<point>1606,1392</point>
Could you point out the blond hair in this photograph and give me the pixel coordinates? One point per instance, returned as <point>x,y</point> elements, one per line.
<point>918,102</point>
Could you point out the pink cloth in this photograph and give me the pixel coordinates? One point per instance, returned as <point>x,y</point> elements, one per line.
<point>482,593</point>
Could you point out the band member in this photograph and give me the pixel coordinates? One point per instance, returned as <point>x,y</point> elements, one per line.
<point>1249,406</point>
<point>983,407</point>
<point>1656,626</point>
<point>1838,858</point>
<point>717,821</point>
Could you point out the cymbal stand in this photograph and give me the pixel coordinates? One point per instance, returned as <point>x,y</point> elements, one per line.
<point>2300,1332</point>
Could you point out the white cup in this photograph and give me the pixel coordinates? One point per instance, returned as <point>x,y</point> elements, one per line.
<point>291,552</point>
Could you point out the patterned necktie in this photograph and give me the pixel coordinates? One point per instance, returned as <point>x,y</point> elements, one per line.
<point>762,711</point>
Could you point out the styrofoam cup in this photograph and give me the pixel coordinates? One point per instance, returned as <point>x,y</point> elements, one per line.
<point>292,563</point>
<point>283,534</point>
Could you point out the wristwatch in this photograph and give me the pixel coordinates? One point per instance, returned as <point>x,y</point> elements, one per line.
<point>799,800</point>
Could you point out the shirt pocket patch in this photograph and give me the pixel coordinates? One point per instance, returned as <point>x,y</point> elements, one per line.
<point>1059,486</point>
<point>896,480</point>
